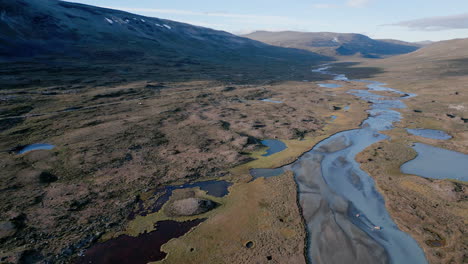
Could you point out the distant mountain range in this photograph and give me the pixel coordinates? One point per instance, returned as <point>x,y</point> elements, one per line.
<point>335,44</point>
<point>75,32</point>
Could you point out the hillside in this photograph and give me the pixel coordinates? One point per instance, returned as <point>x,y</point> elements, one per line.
<point>334,44</point>
<point>456,48</point>
<point>440,59</point>
<point>73,35</point>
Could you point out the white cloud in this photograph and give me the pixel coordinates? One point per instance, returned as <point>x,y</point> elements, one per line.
<point>323,6</point>
<point>348,3</point>
<point>436,23</point>
<point>357,3</point>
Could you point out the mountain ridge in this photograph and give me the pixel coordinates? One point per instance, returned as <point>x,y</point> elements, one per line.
<point>52,30</point>
<point>335,44</point>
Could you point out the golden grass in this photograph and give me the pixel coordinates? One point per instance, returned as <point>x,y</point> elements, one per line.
<point>263,211</point>
<point>345,120</point>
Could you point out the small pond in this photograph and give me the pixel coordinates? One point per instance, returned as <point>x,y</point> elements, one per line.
<point>271,101</point>
<point>274,146</point>
<point>437,163</point>
<point>137,250</point>
<point>38,146</point>
<point>429,133</point>
<point>329,85</point>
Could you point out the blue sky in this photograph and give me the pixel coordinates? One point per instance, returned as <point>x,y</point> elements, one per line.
<point>409,20</point>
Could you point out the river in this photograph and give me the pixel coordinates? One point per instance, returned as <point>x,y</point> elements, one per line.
<point>345,216</point>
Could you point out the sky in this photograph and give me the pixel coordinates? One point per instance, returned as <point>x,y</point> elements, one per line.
<point>408,20</point>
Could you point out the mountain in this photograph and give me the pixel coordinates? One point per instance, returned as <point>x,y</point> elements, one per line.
<point>52,30</point>
<point>334,44</point>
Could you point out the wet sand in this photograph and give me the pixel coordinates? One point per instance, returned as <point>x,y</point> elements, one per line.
<point>332,237</point>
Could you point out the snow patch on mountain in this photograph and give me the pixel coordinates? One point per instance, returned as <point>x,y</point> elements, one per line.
<point>110,21</point>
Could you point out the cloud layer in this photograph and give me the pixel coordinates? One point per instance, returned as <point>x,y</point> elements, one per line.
<point>357,3</point>
<point>436,23</point>
<point>348,3</point>
<point>233,22</point>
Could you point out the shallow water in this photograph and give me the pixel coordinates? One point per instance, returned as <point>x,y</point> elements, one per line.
<point>437,163</point>
<point>271,101</point>
<point>322,69</point>
<point>345,215</point>
<point>429,133</point>
<point>341,77</point>
<point>329,85</point>
<point>274,146</point>
<point>39,146</point>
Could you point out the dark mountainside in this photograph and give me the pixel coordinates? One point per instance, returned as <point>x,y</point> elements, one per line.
<point>334,44</point>
<point>52,34</point>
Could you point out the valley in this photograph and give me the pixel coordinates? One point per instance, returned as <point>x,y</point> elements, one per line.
<point>132,139</point>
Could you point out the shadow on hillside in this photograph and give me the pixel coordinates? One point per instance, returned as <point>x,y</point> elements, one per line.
<point>72,72</point>
<point>454,67</point>
<point>353,71</point>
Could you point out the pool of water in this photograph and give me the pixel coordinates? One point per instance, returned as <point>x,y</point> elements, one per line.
<point>329,85</point>
<point>274,146</point>
<point>429,133</point>
<point>137,250</point>
<point>271,101</point>
<point>32,147</point>
<point>437,163</point>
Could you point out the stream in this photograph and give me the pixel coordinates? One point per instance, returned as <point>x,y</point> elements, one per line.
<point>345,216</point>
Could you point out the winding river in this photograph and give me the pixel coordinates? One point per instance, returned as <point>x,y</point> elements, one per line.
<point>345,216</point>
